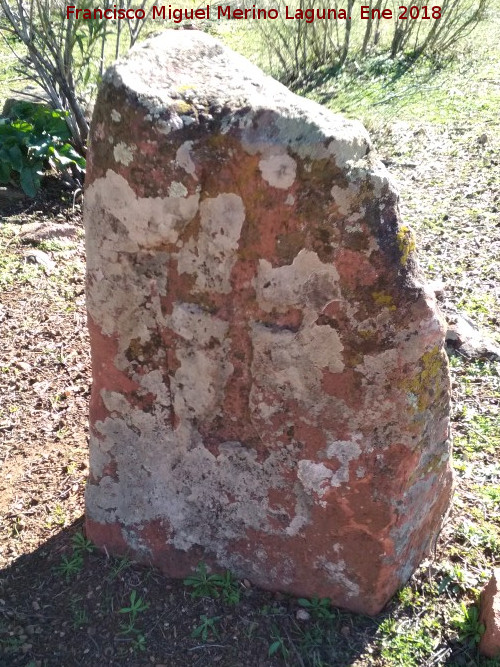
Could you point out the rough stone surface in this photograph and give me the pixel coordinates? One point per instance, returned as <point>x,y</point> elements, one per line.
<point>463,335</point>
<point>490,617</point>
<point>270,391</point>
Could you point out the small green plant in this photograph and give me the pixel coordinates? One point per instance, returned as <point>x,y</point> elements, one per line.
<point>70,565</point>
<point>119,565</point>
<point>310,643</point>
<point>58,517</point>
<point>213,585</point>
<point>31,138</point>
<point>128,629</point>
<point>319,608</point>
<point>456,579</point>
<point>139,642</point>
<point>80,617</point>
<point>491,493</point>
<point>409,598</point>
<point>406,644</point>
<point>81,544</point>
<point>229,589</point>
<point>17,527</point>
<point>135,607</point>
<point>207,626</point>
<point>466,621</point>
<point>278,644</point>
<point>479,536</point>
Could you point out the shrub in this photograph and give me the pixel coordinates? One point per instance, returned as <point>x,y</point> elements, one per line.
<point>295,47</point>
<point>31,138</point>
<point>60,54</point>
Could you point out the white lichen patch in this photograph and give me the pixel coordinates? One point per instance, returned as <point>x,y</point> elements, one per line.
<point>167,126</point>
<point>198,384</point>
<point>345,198</point>
<point>115,402</point>
<point>154,383</point>
<point>126,266</point>
<point>115,116</point>
<point>161,474</point>
<point>344,451</point>
<point>278,169</point>
<point>184,160</point>
<point>379,364</point>
<point>353,145</point>
<point>177,189</point>
<point>380,178</point>
<point>124,154</point>
<point>336,573</point>
<point>213,256</point>
<point>307,282</point>
<point>315,477</point>
<point>289,366</point>
<point>147,221</point>
<point>195,325</point>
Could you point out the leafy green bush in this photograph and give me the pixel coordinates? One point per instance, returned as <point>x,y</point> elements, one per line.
<point>33,137</point>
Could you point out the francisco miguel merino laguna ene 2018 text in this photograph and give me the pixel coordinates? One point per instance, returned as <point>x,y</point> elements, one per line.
<point>177,15</point>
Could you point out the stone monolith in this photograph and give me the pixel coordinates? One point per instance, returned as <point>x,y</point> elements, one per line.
<point>270,391</point>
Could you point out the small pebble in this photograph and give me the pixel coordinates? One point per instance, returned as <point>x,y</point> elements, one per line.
<point>302,615</point>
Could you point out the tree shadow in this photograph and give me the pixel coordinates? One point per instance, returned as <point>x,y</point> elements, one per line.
<point>65,605</point>
<point>395,78</point>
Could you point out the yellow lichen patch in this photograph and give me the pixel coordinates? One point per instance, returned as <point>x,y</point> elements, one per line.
<point>384,300</point>
<point>182,107</point>
<point>183,87</point>
<point>406,242</point>
<point>425,380</point>
<point>366,333</point>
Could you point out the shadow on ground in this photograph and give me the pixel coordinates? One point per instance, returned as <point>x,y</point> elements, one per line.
<point>65,604</point>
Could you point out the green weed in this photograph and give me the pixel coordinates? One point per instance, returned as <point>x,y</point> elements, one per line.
<point>213,585</point>
<point>81,544</point>
<point>476,535</point>
<point>128,629</point>
<point>319,608</point>
<point>310,644</point>
<point>466,621</point>
<point>409,598</point>
<point>80,616</point>
<point>407,643</point>
<point>119,565</point>
<point>70,565</point>
<point>136,606</point>
<point>33,137</point>
<point>206,627</point>
<point>278,645</point>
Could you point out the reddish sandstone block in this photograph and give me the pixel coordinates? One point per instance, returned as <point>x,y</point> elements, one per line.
<point>490,617</point>
<point>270,391</point>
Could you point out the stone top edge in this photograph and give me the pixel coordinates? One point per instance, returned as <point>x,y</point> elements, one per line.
<point>179,71</point>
